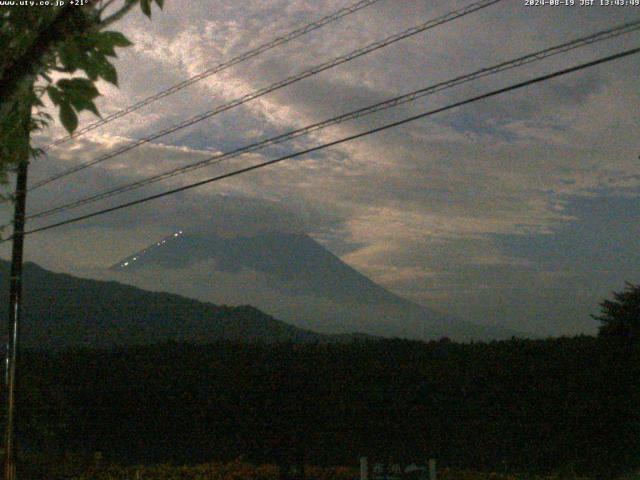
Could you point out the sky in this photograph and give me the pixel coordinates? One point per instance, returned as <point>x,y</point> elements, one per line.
<point>520,210</point>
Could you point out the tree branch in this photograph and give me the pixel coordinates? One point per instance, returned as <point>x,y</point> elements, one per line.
<point>129,4</point>
<point>106,5</point>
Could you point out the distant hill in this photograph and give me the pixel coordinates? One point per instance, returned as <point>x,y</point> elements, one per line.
<point>61,310</point>
<point>292,277</point>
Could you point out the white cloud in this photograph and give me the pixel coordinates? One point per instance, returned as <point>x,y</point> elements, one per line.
<point>501,166</point>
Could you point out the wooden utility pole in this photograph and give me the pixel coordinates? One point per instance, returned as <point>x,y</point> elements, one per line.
<point>15,305</point>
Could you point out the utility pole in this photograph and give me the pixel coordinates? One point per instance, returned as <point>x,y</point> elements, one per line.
<point>15,305</point>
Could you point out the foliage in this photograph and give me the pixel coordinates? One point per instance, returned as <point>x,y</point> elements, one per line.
<point>620,317</point>
<point>78,468</point>
<point>538,407</point>
<point>72,469</point>
<point>42,43</point>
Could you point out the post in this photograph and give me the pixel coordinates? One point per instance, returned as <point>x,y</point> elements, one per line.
<point>364,468</point>
<point>15,307</point>
<point>432,469</point>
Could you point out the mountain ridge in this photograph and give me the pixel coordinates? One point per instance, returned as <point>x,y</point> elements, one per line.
<point>297,280</point>
<point>61,310</point>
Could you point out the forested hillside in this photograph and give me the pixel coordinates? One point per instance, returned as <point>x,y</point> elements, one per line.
<point>62,310</point>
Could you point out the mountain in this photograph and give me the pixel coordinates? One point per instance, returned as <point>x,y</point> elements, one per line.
<point>290,276</point>
<point>61,310</point>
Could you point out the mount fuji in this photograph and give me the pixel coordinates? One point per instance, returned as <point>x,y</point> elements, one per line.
<point>290,276</point>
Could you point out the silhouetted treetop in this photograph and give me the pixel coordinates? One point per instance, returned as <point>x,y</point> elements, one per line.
<point>620,317</point>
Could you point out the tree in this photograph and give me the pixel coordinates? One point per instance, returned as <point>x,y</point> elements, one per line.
<point>620,317</point>
<point>38,41</point>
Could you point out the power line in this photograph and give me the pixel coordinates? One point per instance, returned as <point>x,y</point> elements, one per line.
<point>276,42</point>
<point>402,99</point>
<point>278,85</point>
<point>516,86</point>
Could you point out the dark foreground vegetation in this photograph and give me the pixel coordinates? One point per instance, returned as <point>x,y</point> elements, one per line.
<point>83,469</point>
<point>544,406</point>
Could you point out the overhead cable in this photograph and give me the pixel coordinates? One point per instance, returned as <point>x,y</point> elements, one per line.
<point>276,86</point>
<point>493,93</point>
<point>276,42</point>
<point>355,114</point>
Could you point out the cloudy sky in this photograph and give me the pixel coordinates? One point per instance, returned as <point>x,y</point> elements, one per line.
<point>522,209</point>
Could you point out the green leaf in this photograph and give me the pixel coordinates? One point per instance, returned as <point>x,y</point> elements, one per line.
<point>75,94</point>
<point>108,73</point>
<point>68,117</point>
<point>145,5</point>
<point>78,88</point>
<point>70,56</point>
<point>92,70</point>
<point>98,65</point>
<point>160,3</point>
<point>102,43</point>
<point>85,104</point>
<point>78,83</point>
<point>55,95</point>
<point>115,39</point>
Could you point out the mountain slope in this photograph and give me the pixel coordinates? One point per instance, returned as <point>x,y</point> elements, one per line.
<point>292,277</point>
<point>62,310</point>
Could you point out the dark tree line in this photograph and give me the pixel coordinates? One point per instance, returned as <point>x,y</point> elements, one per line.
<point>520,405</point>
